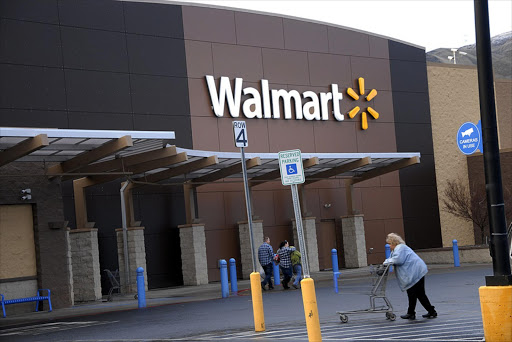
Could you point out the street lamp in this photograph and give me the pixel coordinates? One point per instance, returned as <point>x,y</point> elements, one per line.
<point>453,57</point>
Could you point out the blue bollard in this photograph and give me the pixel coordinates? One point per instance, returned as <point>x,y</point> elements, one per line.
<point>456,262</point>
<point>232,275</point>
<point>334,258</point>
<point>224,278</point>
<point>275,271</point>
<point>141,288</point>
<point>335,268</point>
<point>387,250</point>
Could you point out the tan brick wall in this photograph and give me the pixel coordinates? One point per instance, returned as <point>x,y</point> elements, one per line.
<point>453,92</point>
<point>503,93</point>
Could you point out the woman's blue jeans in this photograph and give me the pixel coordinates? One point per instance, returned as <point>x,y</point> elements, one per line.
<point>298,271</point>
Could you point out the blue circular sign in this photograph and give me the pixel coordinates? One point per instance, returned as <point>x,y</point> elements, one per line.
<point>468,138</point>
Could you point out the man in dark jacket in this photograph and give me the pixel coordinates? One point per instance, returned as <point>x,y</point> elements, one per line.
<point>265,256</point>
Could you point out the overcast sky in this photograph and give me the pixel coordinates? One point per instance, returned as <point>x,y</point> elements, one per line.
<point>428,23</point>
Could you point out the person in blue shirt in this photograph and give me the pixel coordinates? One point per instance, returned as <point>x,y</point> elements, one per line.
<point>265,256</point>
<point>410,272</point>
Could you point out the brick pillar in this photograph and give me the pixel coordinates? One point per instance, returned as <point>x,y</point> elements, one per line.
<point>85,260</point>
<point>69,263</point>
<point>354,241</point>
<point>136,257</point>
<point>245,245</point>
<point>309,227</point>
<point>193,254</point>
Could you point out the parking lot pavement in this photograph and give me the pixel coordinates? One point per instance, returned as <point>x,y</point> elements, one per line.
<point>454,292</point>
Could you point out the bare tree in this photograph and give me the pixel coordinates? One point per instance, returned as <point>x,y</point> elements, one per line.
<point>471,205</point>
<point>459,202</point>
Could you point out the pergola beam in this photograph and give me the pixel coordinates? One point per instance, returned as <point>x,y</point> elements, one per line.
<point>339,170</point>
<point>79,186</point>
<point>125,162</point>
<point>86,158</point>
<point>180,170</point>
<point>24,148</point>
<point>143,167</point>
<point>386,169</point>
<point>225,172</point>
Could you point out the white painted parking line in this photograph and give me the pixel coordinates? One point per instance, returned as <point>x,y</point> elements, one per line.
<point>434,330</point>
<point>45,328</point>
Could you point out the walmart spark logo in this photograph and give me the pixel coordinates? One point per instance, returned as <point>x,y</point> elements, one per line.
<point>354,111</point>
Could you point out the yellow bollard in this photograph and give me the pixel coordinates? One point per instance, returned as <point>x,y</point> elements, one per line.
<point>257,302</point>
<point>496,304</point>
<point>311,310</point>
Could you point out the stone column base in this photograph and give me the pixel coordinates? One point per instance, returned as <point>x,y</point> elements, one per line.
<point>193,254</point>
<point>309,227</point>
<point>354,241</point>
<point>136,258</point>
<point>85,259</point>
<point>245,245</point>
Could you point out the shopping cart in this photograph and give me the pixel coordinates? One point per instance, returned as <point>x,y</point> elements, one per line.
<point>379,276</point>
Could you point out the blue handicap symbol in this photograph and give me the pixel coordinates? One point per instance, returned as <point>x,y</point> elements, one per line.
<point>291,169</point>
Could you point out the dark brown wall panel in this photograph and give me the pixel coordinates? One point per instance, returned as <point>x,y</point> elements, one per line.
<point>283,66</point>
<point>164,20</point>
<point>44,11</point>
<point>259,30</point>
<point>422,226</point>
<point>32,87</point>
<point>30,43</point>
<point>237,61</point>
<point>304,36</point>
<point>97,14</point>
<point>94,49</point>
<point>325,69</point>
<point>347,42</point>
<point>375,72</point>
<point>209,24</point>
<point>199,59</point>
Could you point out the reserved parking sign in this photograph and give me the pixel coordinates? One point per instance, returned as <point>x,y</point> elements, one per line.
<point>290,165</point>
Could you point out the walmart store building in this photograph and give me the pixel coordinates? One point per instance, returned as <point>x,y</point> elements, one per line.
<point>172,78</point>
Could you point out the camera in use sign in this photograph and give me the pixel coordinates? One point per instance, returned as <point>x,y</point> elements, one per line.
<point>290,165</point>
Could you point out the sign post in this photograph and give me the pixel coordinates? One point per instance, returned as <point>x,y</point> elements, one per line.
<point>241,140</point>
<point>292,173</point>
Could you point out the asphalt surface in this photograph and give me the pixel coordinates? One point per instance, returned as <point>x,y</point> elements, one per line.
<point>197,313</point>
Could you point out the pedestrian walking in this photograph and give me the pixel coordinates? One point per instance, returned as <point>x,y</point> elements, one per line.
<point>410,272</point>
<point>265,257</point>
<point>285,263</point>
<point>296,258</point>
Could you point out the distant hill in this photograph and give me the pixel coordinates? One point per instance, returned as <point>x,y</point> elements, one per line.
<point>501,47</point>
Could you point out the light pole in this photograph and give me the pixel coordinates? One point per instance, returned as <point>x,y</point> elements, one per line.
<point>455,58</point>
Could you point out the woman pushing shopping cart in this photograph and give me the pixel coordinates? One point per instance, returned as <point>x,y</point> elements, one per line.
<point>410,272</point>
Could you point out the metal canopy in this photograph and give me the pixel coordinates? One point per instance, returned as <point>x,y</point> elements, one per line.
<point>146,156</point>
<point>317,166</point>
<point>75,148</point>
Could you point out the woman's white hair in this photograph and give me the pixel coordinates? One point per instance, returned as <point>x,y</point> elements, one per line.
<point>395,239</point>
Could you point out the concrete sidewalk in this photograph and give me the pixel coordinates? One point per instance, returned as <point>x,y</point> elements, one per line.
<point>177,295</point>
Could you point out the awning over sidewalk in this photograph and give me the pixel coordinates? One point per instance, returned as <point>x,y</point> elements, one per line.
<point>75,148</point>
<point>92,157</point>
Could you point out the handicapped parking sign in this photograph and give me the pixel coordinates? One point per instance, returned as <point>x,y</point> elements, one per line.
<point>290,165</point>
<point>469,138</point>
<point>291,169</point>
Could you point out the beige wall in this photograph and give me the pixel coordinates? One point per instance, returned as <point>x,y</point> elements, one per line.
<point>453,92</point>
<point>503,90</point>
<point>17,251</point>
